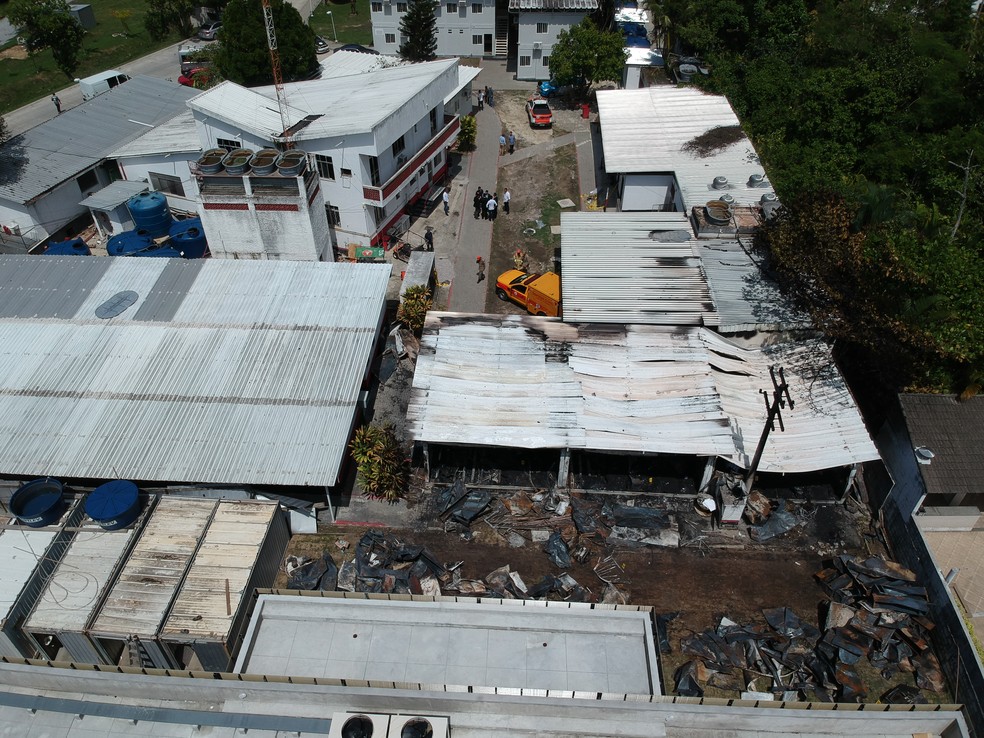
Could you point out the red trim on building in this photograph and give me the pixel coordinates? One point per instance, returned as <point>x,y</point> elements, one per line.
<point>278,207</point>
<point>378,194</point>
<point>225,206</point>
<point>314,195</point>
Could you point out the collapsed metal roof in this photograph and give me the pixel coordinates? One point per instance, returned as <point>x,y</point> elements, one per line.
<point>527,382</point>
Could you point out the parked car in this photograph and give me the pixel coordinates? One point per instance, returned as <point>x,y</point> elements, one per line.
<point>358,47</point>
<point>209,31</point>
<point>539,113</point>
<point>538,293</point>
<point>188,78</point>
<point>321,45</point>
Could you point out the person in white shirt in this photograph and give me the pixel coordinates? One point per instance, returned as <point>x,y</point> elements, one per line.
<point>506,197</point>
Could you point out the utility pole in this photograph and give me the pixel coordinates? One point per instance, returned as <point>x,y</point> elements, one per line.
<point>773,409</point>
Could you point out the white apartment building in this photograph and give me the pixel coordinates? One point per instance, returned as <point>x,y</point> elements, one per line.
<point>524,30</point>
<point>377,141</point>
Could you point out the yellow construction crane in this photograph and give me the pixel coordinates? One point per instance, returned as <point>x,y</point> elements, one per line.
<point>278,80</point>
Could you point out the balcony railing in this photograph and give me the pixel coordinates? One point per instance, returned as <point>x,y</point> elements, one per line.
<point>380,195</point>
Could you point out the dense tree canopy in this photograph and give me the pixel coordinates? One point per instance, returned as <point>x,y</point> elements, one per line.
<point>244,55</point>
<point>868,119</point>
<point>49,24</point>
<point>587,54</point>
<point>419,28</point>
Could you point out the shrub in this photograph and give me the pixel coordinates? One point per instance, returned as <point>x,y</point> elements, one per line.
<point>413,310</point>
<point>381,463</point>
<point>467,133</point>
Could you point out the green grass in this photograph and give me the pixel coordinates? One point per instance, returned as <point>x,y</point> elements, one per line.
<point>352,28</point>
<point>25,80</point>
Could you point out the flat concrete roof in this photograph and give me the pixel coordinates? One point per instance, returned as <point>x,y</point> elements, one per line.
<point>482,643</point>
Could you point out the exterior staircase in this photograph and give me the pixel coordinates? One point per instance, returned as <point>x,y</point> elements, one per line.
<point>501,36</point>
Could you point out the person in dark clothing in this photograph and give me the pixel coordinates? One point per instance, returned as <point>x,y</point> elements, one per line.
<point>57,102</point>
<point>480,262</point>
<point>477,202</point>
<point>429,240</point>
<point>485,205</point>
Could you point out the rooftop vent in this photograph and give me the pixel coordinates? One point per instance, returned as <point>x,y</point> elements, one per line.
<point>358,725</point>
<point>924,456</point>
<point>720,183</point>
<point>768,197</point>
<point>758,180</point>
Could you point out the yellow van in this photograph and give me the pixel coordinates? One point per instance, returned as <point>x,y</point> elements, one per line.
<point>538,293</point>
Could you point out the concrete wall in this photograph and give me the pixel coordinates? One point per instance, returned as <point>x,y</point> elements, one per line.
<point>173,165</point>
<point>455,30</point>
<point>538,68</point>
<point>950,638</point>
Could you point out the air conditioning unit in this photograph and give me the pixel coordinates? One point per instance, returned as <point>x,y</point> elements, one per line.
<point>359,725</point>
<point>401,160</point>
<point>537,45</point>
<point>418,726</point>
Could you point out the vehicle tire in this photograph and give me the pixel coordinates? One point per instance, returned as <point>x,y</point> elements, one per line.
<point>540,314</point>
<point>501,294</point>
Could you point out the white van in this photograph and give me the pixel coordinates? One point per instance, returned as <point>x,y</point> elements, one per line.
<point>97,84</point>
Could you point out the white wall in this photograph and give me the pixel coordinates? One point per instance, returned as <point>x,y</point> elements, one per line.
<point>650,192</point>
<point>139,168</point>
<point>12,213</point>
<point>455,30</point>
<point>528,37</point>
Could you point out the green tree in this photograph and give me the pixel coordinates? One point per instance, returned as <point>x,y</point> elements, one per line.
<point>244,56</point>
<point>4,130</point>
<point>414,306</point>
<point>164,16</point>
<point>48,24</point>
<point>419,27</point>
<point>586,54</point>
<point>467,133</point>
<point>380,460</point>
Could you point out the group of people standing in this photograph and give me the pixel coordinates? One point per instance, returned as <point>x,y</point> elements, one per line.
<point>487,204</point>
<point>486,95</point>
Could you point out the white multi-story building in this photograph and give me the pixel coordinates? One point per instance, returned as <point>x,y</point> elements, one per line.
<point>524,30</point>
<point>377,141</point>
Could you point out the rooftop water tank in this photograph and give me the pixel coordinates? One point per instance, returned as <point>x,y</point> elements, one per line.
<point>72,247</point>
<point>237,161</point>
<point>38,503</point>
<point>150,213</point>
<point>113,505</point>
<point>211,161</point>
<point>128,242</point>
<point>292,163</point>
<point>188,237</point>
<point>265,161</point>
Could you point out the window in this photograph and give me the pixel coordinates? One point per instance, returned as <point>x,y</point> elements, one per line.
<point>376,7</point>
<point>452,7</point>
<point>166,183</point>
<point>477,38</point>
<point>398,146</point>
<point>541,27</point>
<point>476,7</point>
<point>87,181</point>
<point>346,172</point>
<point>524,61</point>
<point>433,120</point>
<point>326,168</point>
<point>391,38</point>
<point>334,217</point>
<point>401,7</point>
<point>227,143</point>
<point>374,171</point>
<point>546,61</point>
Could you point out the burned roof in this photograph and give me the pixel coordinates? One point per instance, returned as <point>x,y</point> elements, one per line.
<point>954,431</point>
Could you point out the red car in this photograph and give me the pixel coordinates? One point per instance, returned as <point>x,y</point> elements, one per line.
<point>538,111</point>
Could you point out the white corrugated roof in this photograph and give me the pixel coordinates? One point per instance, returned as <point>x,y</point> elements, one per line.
<point>224,562</point>
<point>645,131</point>
<point>114,194</point>
<point>21,549</point>
<point>343,63</point>
<point>616,272</point>
<point>345,104</point>
<point>72,594</point>
<point>234,372</point>
<point>526,382</point>
<point>140,598</point>
<point>175,136</point>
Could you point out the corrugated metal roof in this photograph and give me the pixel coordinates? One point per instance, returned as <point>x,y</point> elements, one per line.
<point>343,63</point>
<point>140,598</point>
<point>65,146</point>
<point>346,104</point>
<point>260,363</point>
<point>225,561</point>
<point>746,300</point>
<point>585,5</point>
<point>75,588</point>
<point>645,130</point>
<point>114,194</point>
<point>616,272</point>
<point>526,382</point>
<point>21,549</point>
<point>175,136</point>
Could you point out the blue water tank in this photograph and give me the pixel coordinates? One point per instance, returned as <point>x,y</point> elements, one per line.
<point>72,247</point>
<point>150,213</point>
<point>113,505</point>
<point>188,237</point>
<point>38,503</point>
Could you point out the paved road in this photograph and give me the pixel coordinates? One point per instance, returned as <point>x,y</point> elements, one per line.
<point>163,64</point>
